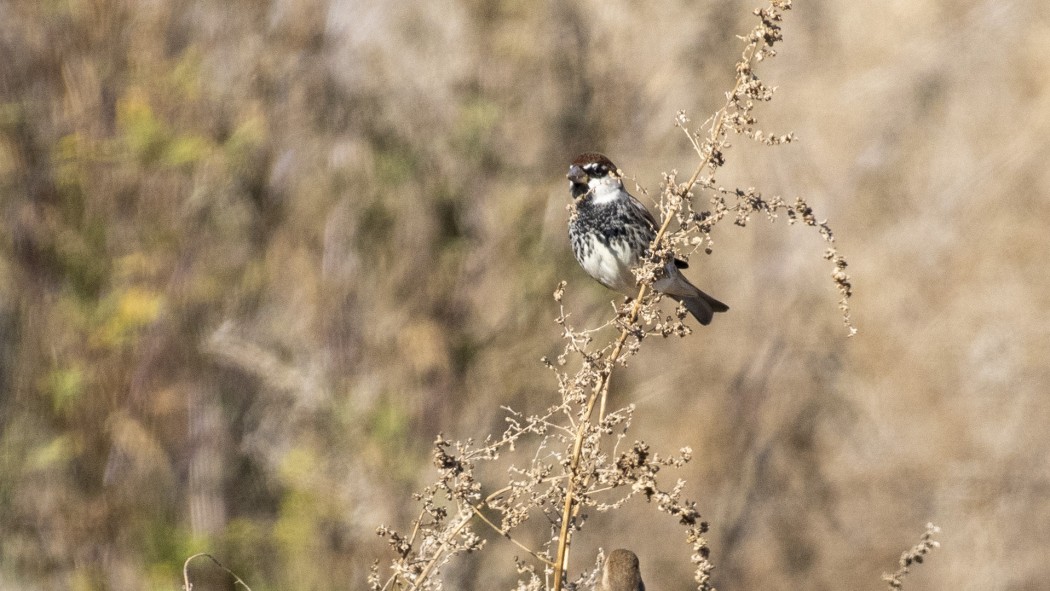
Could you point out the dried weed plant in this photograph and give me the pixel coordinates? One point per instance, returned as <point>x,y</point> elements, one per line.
<point>915,555</point>
<point>566,460</point>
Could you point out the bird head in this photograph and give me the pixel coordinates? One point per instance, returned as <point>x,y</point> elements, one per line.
<point>593,174</point>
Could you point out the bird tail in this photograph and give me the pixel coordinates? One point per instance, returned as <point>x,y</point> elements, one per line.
<point>699,304</point>
<point>702,307</point>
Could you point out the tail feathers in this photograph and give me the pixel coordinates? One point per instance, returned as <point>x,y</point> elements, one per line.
<point>702,306</point>
<point>699,304</point>
<point>716,305</point>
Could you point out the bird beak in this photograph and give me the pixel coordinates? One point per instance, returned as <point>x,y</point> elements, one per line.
<point>577,176</point>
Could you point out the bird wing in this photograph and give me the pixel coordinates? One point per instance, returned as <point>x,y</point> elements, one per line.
<point>648,217</point>
<point>638,205</point>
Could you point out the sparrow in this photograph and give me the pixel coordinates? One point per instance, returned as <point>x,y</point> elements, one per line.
<point>611,231</point>
<point>620,573</point>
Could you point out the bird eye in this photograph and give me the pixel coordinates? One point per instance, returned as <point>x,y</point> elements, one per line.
<point>596,169</point>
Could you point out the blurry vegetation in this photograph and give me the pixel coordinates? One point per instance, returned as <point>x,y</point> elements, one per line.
<point>254,256</point>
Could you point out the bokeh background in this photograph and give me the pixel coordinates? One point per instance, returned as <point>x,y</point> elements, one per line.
<point>255,255</point>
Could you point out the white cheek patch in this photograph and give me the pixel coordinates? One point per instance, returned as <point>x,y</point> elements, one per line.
<point>605,190</point>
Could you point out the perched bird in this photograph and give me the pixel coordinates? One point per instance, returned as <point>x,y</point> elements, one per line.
<point>611,231</point>
<point>620,573</point>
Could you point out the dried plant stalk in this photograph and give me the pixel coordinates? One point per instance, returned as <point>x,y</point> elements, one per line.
<point>915,555</point>
<point>572,459</point>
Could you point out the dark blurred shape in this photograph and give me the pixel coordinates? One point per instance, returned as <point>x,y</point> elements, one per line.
<point>621,573</point>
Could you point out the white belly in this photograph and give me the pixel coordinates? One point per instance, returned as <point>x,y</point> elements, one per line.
<point>612,266</point>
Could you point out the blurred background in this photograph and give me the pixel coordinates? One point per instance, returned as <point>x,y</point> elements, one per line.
<point>255,255</point>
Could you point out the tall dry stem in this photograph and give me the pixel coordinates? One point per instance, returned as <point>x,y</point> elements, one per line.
<point>597,459</point>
